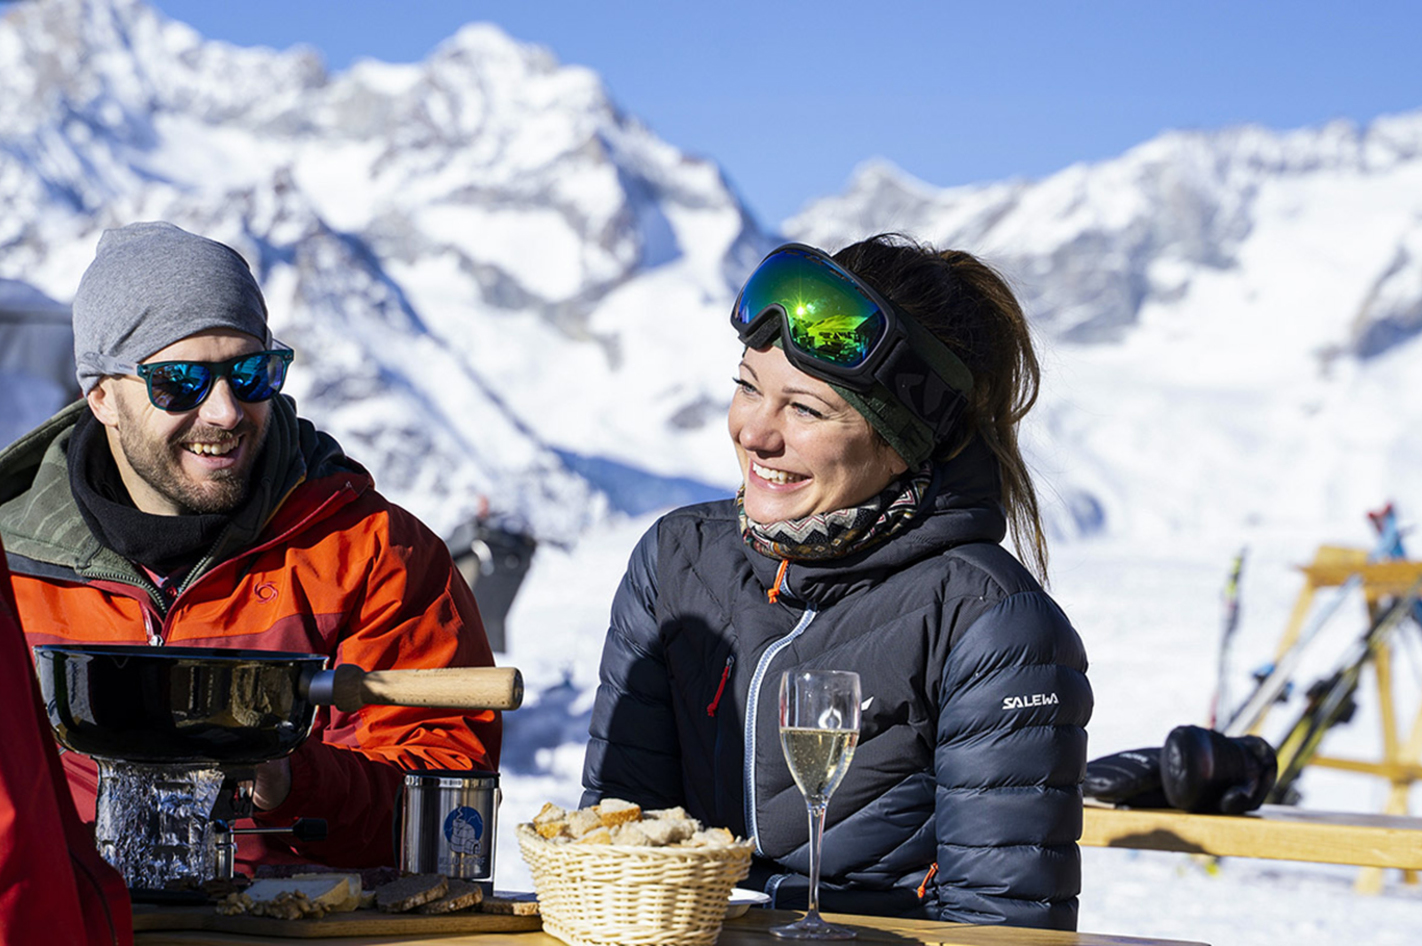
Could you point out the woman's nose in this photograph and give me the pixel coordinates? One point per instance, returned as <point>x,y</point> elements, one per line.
<point>220,408</point>
<point>759,432</point>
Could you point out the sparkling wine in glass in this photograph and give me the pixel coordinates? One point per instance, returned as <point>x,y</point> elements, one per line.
<point>819,728</point>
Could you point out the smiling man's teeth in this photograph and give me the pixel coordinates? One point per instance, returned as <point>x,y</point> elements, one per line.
<point>212,449</point>
<point>776,476</point>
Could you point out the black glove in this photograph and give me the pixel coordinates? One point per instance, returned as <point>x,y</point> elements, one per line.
<point>1127,778</point>
<point>1206,771</point>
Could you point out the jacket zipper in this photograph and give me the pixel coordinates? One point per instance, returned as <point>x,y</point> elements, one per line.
<point>752,712</point>
<point>154,601</point>
<point>721,688</point>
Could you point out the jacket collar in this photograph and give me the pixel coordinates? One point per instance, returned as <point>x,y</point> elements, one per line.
<point>41,521</point>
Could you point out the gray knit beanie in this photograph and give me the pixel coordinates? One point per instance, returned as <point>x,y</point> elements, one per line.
<point>152,284</point>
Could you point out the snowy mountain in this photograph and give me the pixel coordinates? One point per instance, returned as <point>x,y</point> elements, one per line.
<point>491,276</point>
<point>1231,321</point>
<point>499,285</point>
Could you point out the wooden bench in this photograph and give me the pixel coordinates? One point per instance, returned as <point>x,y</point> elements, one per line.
<point>1279,832</point>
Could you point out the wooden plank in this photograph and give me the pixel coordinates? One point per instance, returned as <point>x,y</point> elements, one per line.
<point>1392,771</point>
<point>205,918</point>
<point>754,930</point>
<point>1275,832</point>
<point>1380,579</point>
<point>751,930</point>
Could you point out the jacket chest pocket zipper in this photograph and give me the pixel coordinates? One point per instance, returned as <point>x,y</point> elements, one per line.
<point>721,688</point>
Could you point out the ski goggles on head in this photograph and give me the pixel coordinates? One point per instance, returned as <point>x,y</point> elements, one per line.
<point>834,326</point>
<point>178,386</point>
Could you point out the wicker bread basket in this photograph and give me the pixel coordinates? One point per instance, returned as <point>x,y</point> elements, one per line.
<point>615,895</point>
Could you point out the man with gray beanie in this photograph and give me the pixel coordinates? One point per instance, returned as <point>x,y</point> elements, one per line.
<point>182,501</point>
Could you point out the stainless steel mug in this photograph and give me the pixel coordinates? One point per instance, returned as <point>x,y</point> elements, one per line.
<point>448,824</point>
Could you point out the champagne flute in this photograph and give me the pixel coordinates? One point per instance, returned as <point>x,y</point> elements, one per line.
<point>819,728</point>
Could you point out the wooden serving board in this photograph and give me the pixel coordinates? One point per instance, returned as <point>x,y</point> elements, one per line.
<point>149,917</point>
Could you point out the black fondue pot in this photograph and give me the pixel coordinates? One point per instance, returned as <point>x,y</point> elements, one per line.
<point>200,704</point>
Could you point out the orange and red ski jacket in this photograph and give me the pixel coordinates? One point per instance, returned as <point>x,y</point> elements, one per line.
<point>336,569</point>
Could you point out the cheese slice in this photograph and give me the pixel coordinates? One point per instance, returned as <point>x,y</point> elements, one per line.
<point>353,882</point>
<point>332,891</point>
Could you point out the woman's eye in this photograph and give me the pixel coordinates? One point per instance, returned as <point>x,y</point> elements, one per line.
<point>805,410</point>
<point>745,386</point>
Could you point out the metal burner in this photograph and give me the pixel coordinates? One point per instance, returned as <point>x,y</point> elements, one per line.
<point>165,827</point>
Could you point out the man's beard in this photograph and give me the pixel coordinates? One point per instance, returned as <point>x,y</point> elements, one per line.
<point>158,463</point>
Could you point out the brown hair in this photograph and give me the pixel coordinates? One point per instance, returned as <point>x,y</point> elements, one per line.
<point>970,307</point>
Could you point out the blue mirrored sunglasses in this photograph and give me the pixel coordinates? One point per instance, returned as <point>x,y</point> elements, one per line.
<point>178,386</point>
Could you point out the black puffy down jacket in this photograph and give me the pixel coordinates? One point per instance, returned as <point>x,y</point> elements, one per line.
<point>972,744</point>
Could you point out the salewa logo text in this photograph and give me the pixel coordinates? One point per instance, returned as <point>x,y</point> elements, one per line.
<point>1035,699</point>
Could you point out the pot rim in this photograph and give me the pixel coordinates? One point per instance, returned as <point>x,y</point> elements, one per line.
<point>232,654</point>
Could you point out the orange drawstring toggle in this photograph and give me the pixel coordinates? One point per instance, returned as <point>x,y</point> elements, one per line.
<point>923,887</point>
<point>774,593</point>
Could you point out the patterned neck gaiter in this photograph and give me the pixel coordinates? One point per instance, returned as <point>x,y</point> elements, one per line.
<point>842,532</point>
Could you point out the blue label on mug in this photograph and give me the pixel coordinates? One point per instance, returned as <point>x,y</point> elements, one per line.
<point>463,829</point>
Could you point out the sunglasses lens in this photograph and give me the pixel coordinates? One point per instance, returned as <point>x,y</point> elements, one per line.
<point>178,386</point>
<point>829,318</point>
<point>259,377</point>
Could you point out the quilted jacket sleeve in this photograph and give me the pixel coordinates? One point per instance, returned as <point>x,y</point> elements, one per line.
<point>633,751</point>
<point>1010,757</point>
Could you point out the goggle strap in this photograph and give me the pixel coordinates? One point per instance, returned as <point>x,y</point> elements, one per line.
<point>910,437</point>
<point>922,389</point>
<point>939,357</point>
<point>764,329</point>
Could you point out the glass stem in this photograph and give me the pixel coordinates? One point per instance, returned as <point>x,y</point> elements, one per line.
<point>817,833</point>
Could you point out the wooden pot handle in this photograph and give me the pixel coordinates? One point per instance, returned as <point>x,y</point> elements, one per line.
<point>468,688</point>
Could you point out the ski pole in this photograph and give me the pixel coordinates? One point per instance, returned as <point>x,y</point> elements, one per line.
<point>1231,623</point>
<point>1282,670</point>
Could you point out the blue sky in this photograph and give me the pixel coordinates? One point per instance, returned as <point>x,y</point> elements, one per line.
<point>790,97</point>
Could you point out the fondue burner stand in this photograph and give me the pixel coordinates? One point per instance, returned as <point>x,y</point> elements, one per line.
<point>168,827</point>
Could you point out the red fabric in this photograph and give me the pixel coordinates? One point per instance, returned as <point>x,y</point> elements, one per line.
<point>339,571</point>
<point>54,887</point>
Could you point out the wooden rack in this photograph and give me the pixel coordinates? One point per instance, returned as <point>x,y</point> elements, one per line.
<point>1401,762</point>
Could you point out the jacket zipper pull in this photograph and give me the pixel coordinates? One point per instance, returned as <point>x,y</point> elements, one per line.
<point>725,675</point>
<point>154,638</point>
<point>773,595</point>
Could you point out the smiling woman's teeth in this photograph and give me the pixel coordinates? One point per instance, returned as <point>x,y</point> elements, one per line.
<point>779,477</point>
<point>212,449</point>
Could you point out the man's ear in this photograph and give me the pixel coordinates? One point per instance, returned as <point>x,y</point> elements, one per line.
<point>103,402</point>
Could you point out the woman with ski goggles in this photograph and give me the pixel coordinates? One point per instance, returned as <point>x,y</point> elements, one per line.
<point>875,416</point>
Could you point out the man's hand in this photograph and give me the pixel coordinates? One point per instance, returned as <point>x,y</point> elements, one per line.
<point>273,784</point>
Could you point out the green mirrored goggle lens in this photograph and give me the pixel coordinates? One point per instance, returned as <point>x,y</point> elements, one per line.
<point>827,316</point>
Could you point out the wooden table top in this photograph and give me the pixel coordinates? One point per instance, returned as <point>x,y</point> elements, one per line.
<point>753,929</point>
<point>1279,832</point>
